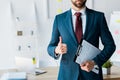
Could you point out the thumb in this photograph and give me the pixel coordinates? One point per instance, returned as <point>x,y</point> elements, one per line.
<point>60,40</point>
<point>83,64</point>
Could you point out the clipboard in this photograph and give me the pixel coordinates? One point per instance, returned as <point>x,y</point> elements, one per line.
<point>87,51</point>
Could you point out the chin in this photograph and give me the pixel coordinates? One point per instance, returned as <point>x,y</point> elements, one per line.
<point>79,6</point>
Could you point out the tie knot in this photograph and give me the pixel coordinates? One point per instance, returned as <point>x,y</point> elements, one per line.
<point>78,14</point>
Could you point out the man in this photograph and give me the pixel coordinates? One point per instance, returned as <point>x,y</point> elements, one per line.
<point>65,40</point>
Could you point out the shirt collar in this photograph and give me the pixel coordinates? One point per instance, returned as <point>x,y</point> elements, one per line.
<point>81,11</point>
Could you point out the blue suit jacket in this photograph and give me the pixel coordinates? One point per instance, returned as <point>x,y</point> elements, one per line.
<point>96,27</point>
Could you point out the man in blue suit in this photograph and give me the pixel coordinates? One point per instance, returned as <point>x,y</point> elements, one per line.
<point>64,42</point>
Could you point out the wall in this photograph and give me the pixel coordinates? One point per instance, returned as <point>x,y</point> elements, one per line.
<point>6,36</point>
<point>44,28</point>
<point>107,6</point>
<point>9,10</point>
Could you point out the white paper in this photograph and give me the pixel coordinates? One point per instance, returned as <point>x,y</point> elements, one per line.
<point>87,52</point>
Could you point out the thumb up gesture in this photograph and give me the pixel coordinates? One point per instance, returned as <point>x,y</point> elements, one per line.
<point>61,47</point>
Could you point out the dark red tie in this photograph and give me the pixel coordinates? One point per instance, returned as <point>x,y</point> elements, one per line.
<point>78,26</point>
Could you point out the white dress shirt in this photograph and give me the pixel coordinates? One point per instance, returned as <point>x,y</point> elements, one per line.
<point>83,17</point>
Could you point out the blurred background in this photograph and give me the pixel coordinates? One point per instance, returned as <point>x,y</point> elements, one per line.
<point>26,26</point>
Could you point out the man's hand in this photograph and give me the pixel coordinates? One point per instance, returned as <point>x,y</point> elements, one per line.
<point>61,48</point>
<point>88,65</point>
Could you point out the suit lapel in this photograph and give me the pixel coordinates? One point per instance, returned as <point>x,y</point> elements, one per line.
<point>89,22</point>
<point>69,25</point>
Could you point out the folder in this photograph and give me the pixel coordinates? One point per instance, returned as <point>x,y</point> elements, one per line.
<point>87,51</point>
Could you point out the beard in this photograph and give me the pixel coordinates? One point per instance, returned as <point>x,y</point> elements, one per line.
<point>79,5</point>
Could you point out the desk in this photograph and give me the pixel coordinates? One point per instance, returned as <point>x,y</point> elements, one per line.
<point>115,74</point>
<point>52,73</point>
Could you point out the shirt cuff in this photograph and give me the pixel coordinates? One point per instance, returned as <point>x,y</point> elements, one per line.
<point>57,55</point>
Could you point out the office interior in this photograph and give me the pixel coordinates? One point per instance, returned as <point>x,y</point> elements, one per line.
<point>26,27</point>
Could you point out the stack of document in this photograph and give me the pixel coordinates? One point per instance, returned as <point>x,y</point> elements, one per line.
<point>14,76</point>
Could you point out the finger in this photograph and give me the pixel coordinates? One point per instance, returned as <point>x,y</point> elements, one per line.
<point>63,51</point>
<point>84,68</point>
<point>89,68</point>
<point>83,64</point>
<point>60,47</point>
<point>60,40</point>
<point>87,63</point>
<point>63,47</point>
